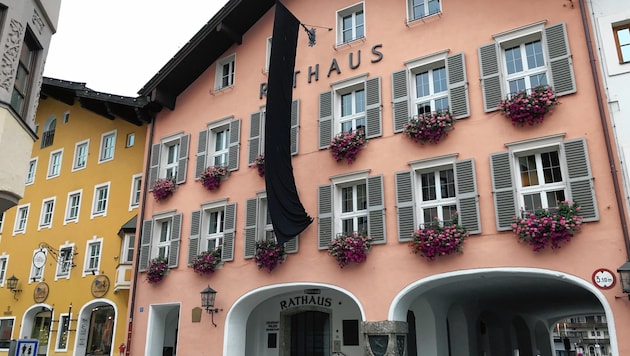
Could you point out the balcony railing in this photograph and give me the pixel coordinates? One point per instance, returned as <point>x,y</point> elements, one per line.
<point>47,138</point>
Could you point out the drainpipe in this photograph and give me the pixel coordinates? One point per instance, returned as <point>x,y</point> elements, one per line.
<point>145,188</point>
<point>602,117</point>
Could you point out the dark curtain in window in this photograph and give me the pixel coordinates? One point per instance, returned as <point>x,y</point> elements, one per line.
<point>287,213</point>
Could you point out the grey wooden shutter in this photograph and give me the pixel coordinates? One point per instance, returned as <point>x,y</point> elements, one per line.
<point>254,137</point>
<point>295,124</point>
<point>503,190</point>
<point>182,164</point>
<point>376,209</point>
<point>325,214</point>
<point>580,179</point>
<point>400,96</point>
<point>405,205</point>
<point>467,196</point>
<point>176,233</point>
<point>325,119</point>
<point>227,251</point>
<point>291,246</point>
<point>560,60</point>
<point>155,165</point>
<point>145,245</point>
<point>235,145</point>
<point>373,119</point>
<point>251,222</point>
<point>193,240</point>
<point>490,77</point>
<point>202,149</point>
<point>457,86</point>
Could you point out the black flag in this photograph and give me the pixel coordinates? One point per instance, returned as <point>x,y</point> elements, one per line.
<point>287,213</point>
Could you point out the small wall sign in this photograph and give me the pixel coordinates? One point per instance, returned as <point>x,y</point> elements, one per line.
<point>100,286</point>
<point>41,292</point>
<point>604,278</point>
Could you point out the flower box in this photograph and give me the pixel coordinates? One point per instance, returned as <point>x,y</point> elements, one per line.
<point>429,127</point>
<point>207,261</point>
<point>211,177</point>
<point>350,248</point>
<point>163,189</point>
<point>347,145</point>
<point>158,268</point>
<point>528,108</point>
<point>259,164</point>
<point>548,227</point>
<point>269,254</point>
<point>437,239</point>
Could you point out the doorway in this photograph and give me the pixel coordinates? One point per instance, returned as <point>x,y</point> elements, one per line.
<point>310,334</point>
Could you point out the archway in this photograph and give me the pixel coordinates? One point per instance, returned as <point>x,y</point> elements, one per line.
<point>96,327</point>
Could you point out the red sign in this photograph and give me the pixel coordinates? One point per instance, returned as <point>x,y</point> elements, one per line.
<point>604,278</point>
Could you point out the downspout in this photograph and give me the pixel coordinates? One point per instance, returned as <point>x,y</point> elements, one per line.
<point>604,122</point>
<point>145,188</point>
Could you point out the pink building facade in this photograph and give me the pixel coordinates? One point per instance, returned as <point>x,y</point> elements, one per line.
<point>381,64</point>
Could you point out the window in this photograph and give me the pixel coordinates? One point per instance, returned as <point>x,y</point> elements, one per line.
<point>46,215</point>
<point>225,72</point>
<point>523,59</point>
<point>63,332</point>
<point>213,227</point>
<point>136,189</point>
<point>131,140</point>
<point>92,256</point>
<point>25,76</point>
<point>20,219</point>
<point>6,332</point>
<point>1,221</point>
<point>257,132</point>
<point>126,255</point>
<point>423,8</point>
<point>268,54</point>
<point>108,145</point>
<point>37,270</point>
<point>54,164</point>
<point>99,202</point>
<point>219,145</point>
<point>352,203</point>
<point>66,117</point>
<point>169,159</point>
<point>32,168</point>
<point>48,136</point>
<point>437,83</point>
<point>80,155</point>
<point>4,260</point>
<point>160,238</point>
<point>622,40</point>
<point>73,206</point>
<point>258,226</point>
<point>65,261</point>
<point>350,24</point>
<point>352,104</point>
<point>433,191</point>
<point>534,174</point>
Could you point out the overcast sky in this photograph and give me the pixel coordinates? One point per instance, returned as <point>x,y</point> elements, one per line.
<point>116,46</point>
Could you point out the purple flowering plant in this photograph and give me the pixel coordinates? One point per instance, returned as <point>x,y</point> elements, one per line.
<point>163,188</point>
<point>347,145</point>
<point>259,164</point>
<point>269,254</point>
<point>207,261</point>
<point>347,248</point>
<point>551,227</point>
<point>429,127</point>
<point>529,108</point>
<point>439,239</point>
<point>158,268</point>
<point>211,177</point>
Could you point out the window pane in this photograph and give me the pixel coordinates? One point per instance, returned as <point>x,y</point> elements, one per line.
<point>517,85</point>
<point>551,167</point>
<point>346,104</point>
<point>513,60</point>
<point>430,215</point>
<point>534,53</point>
<point>448,212</point>
<point>347,226</point>
<point>360,28</point>
<point>424,108</point>
<point>434,6</point>
<point>164,232</point>
<point>422,84</point>
<point>527,165</point>
<point>361,197</point>
<point>532,202</point>
<point>447,184</point>
<point>347,28</point>
<point>439,80</point>
<point>360,101</point>
<point>418,8</point>
<point>554,197</point>
<point>362,224</point>
<point>538,80</point>
<point>346,200</point>
<point>428,186</point>
<point>441,104</point>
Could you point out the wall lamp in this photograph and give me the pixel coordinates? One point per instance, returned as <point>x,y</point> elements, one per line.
<point>12,283</point>
<point>624,276</point>
<point>207,302</point>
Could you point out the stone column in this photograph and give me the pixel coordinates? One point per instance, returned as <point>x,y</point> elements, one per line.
<point>385,338</point>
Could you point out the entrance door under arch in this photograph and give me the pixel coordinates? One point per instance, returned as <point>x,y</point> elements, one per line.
<point>310,334</point>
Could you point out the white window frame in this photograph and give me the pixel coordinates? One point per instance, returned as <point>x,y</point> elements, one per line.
<point>65,262</point>
<point>205,236</point>
<point>222,126</point>
<point>54,170</point>
<point>62,329</point>
<point>605,25</point>
<point>162,248</point>
<point>2,216</point>
<point>127,249</point>
<point>37,274</point>
<point>65,117</point>
<point>166,169</point>
<point>351,11</point>
<point>78,157</point>
<point>32,170</point>
<point>46,215</point>
<point>340,182</point>
<point>427,166</point>
<point>268,54</point>
<point>95,200</point>
<point>19,217</point>
<point>2,319</point>
<point>103,149</point>
<point>230,61</point>
<point>341,88</point>
<point>427,64</point>
<point>131,140</point>
<point>68,218</point>
<point>96,241</point>
<point>427,10</point>
<point>4,263</point>
<point>135,191</point>
<point>265,227</point>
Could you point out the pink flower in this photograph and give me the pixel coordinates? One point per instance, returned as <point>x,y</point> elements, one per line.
<point>211,177</point>
<point>207,261</point>
<point>163,189</point>
<point>269,254</point>
<point>551,227</point>
<point>158,268</point>
<point>350,248</point>
<point>436,240</point>
<point>347,145</point>
<point>523,108</point>
<point>429,127</point>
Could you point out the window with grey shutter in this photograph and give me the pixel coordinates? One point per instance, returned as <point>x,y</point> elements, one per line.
<point>374,122</point>
<point>490,76</point>
<point>202,149</point>
<point>291,246</point>
<point>254,137</point>
<point>235,145</point>
<point>405,205</point>
<point>183,158</point>
<point>376,209</point>
<point>227,251</point>
<point>155,165</point>
<point>400,95</point>
<point>325,214</point>
<point>173,251</point>
<point>457,86</point>
<point>467,196</point>
<point>325,119</point>
<point>145,245</point>
<point>193,240</point>
<point>560,60</point>
<point>580,179</point>
<point>503,190</point>
<point>251,222</point>
<point>295,124</point>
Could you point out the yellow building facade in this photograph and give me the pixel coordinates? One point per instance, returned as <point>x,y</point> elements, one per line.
<point>69,241</point>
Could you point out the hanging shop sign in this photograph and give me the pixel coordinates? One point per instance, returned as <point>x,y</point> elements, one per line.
<point>41,292</point>
<point>100,286</point>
